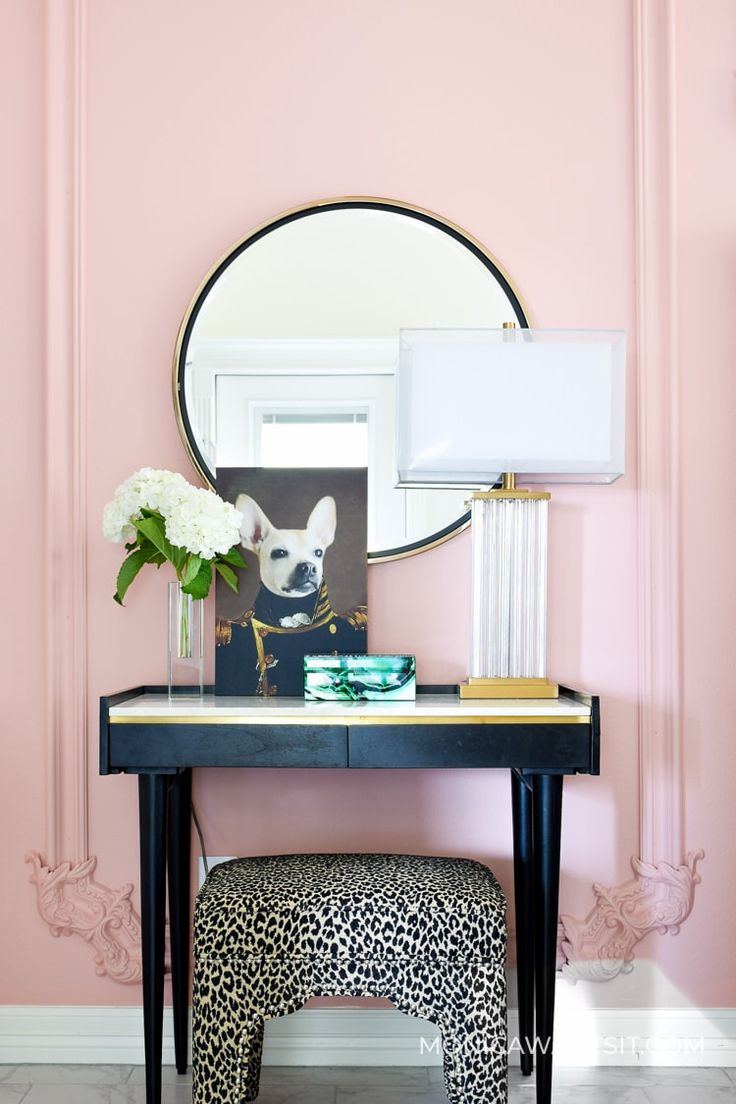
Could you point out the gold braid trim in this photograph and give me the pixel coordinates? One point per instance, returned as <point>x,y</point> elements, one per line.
<point>357,617</point>
<point>263,687</point>
<point>323,605</point>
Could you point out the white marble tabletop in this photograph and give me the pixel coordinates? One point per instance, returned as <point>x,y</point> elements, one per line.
<point>156,708</point>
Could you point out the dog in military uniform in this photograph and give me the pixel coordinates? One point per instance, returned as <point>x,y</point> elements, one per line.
<point>262,651</point>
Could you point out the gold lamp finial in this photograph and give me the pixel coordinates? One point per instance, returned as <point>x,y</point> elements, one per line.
<point>509,479</point>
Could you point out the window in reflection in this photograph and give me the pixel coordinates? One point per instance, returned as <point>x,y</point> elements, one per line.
<point>321,438</point>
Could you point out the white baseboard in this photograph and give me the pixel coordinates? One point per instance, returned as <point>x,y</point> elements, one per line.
<point>378,1037</point>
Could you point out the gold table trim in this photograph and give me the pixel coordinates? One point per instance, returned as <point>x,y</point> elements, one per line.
<point>237,719</point>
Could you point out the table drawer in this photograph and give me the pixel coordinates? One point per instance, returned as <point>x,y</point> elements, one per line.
<point>558,748</point>
<point>143,747</point>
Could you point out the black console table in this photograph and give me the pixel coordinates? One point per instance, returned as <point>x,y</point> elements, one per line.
<point>538,741</point>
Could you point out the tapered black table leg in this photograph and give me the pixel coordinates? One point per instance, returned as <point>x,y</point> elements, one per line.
<point>152,813</point>
<point>179,857</point>
<point>547,816</point>
<point>521,806</point>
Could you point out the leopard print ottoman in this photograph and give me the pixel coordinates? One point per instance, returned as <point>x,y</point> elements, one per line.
<point>271,932</point>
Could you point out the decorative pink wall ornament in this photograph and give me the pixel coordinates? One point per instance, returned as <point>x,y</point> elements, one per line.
<point>658,898</point>
<point>73,903</point>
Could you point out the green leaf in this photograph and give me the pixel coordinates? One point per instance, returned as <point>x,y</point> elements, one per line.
<point>228,575</point>
<point>178,556</point>
<point>233,557</point>
<point>153,529</point>
<point>200,584</point>
<point>130,567</point>
<point>192,569</point>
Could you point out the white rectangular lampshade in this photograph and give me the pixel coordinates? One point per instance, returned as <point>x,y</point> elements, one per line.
<point>548,405</point>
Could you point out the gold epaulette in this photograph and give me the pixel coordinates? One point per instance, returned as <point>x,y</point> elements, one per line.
<point>357,617</point>
<point>224,627</point>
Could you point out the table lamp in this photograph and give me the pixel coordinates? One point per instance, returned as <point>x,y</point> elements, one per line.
<point>496,408</point>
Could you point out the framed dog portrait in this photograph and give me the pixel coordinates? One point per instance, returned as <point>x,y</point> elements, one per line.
<point>304,539</point>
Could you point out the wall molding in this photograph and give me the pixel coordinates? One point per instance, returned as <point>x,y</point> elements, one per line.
<point>660,895</point>
<point>69,899</point>
<point>65,505</point>
<point>379,1037</point>
<point>292,355</point>
<point>660,485</point>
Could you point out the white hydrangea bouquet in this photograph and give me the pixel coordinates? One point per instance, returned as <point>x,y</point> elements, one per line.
<point>161,518</point>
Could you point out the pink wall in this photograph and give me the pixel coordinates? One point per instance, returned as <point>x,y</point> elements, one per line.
<point>514,120</point>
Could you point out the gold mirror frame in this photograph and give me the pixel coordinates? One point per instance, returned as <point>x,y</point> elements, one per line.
<point>495,268</point>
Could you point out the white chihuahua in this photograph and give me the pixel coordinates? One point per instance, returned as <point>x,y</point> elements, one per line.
<point>291,561</point>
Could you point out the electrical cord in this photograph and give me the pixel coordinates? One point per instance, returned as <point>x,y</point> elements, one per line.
<point>203,849</point>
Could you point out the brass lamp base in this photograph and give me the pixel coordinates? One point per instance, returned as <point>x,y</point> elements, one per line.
<point>508,688</point>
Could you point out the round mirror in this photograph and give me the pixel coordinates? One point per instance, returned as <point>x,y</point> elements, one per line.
<point>286,355</point>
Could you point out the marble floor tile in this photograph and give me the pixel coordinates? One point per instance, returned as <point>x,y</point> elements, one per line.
<point>169,1076</point>
<point>357,1095</point>
<point>71,1075</point>
<point>598,1094</point>
<point>13,1094</point>
<point>170,1094</point>
<point>278,1086</point>
<point>526,1093</point>
<point>349,1077</point>
<point>641,1076</point>
<point>79,1084</point>
<point>297,1094</point>
<point>50,1093</point>
<point>687,1094</point>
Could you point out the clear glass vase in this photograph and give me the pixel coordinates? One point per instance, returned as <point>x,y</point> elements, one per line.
<point>186,644</point>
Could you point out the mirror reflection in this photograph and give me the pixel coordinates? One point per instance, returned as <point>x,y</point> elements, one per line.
<point>287,354</point>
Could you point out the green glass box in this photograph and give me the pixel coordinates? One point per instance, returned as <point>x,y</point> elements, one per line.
<point>360,678</point>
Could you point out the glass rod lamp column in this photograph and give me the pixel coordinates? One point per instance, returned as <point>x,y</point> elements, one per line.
<point>547,405</point>
<point>508,652</point>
